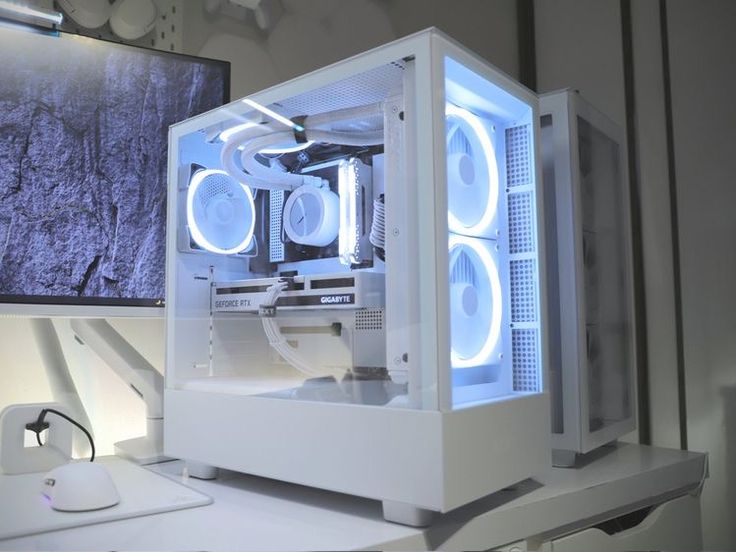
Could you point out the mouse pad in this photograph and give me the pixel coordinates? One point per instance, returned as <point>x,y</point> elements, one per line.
<point>24,511</point>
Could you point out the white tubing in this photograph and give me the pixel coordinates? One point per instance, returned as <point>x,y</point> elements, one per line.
<point>276,179</point>
<point>372,138</point>
<point>227,155</point>
<point>348,114</point>
<point>259,137</point>
<point>279,179</point>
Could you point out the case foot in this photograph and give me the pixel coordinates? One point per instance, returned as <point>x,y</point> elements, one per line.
<point>563,458</point>
<point>200,470</point>
<point>406,514</point>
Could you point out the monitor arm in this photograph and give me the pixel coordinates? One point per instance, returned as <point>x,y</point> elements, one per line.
<point>139,374</point>
<point>59,379</point>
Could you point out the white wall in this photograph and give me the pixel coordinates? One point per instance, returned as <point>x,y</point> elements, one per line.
<point>702,48</point>
<point>595,70</point>
<point>579,44</point>
<point>314,33</point>
<point>656,224</point>
<point>487,28</point>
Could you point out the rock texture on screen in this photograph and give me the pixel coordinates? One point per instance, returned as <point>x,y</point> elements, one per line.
<point>83,145</point>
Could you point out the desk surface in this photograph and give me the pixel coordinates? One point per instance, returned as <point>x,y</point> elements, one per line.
<point>255,513</point>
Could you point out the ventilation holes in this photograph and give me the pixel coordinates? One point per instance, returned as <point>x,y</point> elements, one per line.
<point>518,160</point>
<point>524,358</point>
<point>369,319</point>
<point>523,291</point>
<point>213,186</point>
<point>275,245</point>
<point>521,223</point>
<point>365,88</point>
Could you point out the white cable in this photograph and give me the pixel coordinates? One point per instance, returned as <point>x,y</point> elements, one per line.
<point>277,340</point>
<point>377,236</point>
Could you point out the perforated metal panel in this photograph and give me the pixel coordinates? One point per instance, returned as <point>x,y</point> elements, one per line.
<point>525,356</point>
<point>212,186</point>
<point>523,269</point>
<point>521,223</point>
<point>369,319</point>
<point>167,34</point>
<point>524,290</point>
<point>364,88</point>
<point>276,208</point>
<point>518,156</point>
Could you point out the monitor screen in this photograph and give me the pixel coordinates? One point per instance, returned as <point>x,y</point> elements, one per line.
<point>83,153</point>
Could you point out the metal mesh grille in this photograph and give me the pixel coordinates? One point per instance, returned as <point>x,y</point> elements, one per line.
<point>518,159</point>
<point>524,352</point>
<point>275,245</point>
<point>523,290</point>
<point>521,223</point>
<point>369,319</point>
<point>371,86</point>
<point>212,186</point>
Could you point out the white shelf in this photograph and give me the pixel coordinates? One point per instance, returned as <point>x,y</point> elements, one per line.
<point>252,513</point>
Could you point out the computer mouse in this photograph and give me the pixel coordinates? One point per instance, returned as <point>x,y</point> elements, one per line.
<point>80,487</point>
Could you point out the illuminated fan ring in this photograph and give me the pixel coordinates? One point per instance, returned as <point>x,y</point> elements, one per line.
<point>194,229</point>
<point>494,333</point>
<point>489,154</point>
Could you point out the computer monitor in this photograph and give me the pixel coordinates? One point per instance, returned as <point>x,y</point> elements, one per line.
<point>83,150</point>
<point>83,157</point>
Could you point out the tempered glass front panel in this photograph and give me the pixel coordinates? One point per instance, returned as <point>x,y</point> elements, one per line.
<point>282,250</point>
<point>493,288</point>
<point>604,254</point>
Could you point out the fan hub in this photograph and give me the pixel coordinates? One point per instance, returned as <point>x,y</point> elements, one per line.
<point>221,211</point>
<point>465,169</point>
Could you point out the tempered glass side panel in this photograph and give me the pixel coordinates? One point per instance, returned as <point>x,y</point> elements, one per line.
<point>281,211</point>
<point>607,317</point>
<point>492,243</point>
<point>554,362</point>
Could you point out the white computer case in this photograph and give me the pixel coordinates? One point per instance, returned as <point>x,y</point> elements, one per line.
<point>592,361</point>
<point>335,316</point>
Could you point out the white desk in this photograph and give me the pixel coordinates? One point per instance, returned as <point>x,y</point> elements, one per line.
<point>254,513</point>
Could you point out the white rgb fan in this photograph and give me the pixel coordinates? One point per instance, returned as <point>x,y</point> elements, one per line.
<point>220,212</point>
<point>475,303</point>
<point>472,173</point>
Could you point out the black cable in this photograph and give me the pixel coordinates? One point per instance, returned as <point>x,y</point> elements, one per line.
<point>40,422</point>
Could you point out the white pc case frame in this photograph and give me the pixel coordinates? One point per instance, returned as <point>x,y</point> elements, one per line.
<point>565,106</point>
<point>415,461</point>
